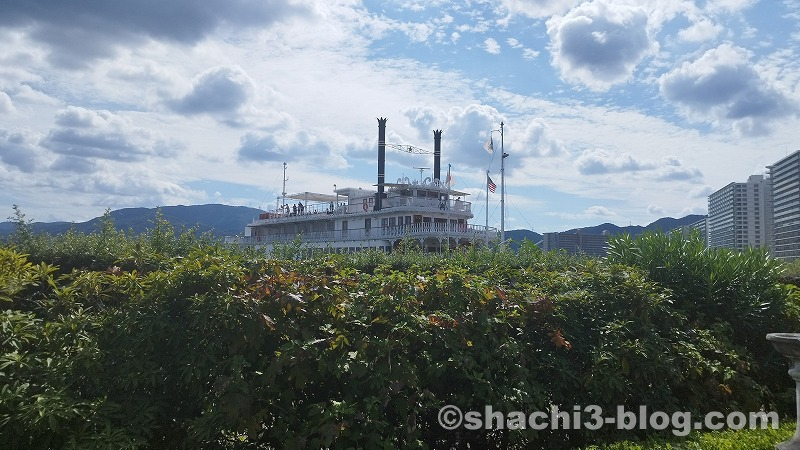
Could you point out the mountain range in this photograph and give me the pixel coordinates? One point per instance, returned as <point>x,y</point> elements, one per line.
<point>224,220</point>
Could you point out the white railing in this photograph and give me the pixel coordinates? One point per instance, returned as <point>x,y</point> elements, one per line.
<point>320,211</point>
<point>416,230</point>
<point>428,203</point>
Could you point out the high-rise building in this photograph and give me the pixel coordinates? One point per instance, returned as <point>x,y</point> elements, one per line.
<point>785,178</point>
<point>739,215</point>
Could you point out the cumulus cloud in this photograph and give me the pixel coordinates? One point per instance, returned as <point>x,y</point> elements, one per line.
<point>539,8</point>
<point>465,130</point>
<point>491,46</point>
<point>103,134</point>
<point>599,211</point>
<point>597,162</point>
<point>701,191</point>
<point>655,210</point>
<point>299,146</point>
<point>600,162</point>
<point>721,86</point>
<point>79,32</point>
<point>537,140</point>
<point>18,151</point>
<point>527,53</point>
<point>222,90</point>
<point>530,53</point>
<point>599,44</point>
<point>674,170</point>
<point>74,164</point>
<point>132,187</point>
<point>701,30</point>
<point>5,103</point>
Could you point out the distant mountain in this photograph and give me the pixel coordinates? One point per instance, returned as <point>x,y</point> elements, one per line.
<point>518,236</point>
<point>222,220</point>
<point>664,224</point>
<point>225,220</point>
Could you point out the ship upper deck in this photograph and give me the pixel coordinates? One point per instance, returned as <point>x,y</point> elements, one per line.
<point>404,196</point>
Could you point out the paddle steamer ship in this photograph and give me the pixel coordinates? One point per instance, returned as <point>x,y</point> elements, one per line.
<point>426,213</point>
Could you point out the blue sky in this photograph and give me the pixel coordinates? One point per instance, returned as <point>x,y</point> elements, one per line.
<point>614,111</point>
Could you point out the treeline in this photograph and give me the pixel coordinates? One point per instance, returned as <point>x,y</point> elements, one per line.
<point>169,340</point>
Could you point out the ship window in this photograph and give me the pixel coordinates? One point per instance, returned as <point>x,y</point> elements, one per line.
<point>426,219</point>
<point>384,222</point>
<point>392,221</point>
<point>420,193</point>
<point>417,219</point>
<point>408,220</point>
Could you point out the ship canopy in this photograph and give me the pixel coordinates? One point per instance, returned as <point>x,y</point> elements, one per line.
<point>312,197</point>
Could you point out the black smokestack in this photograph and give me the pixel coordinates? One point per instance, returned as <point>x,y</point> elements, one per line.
<point>381,161</point>
<point>437,155</point>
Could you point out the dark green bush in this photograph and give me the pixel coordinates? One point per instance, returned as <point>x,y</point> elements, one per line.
<point>191,345</point>
<point>737,296</point>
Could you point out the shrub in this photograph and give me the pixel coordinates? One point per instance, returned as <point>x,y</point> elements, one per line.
<point>202,346</point>
<point>738,296</point>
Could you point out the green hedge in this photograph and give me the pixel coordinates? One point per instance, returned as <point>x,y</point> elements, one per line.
<point>202,346</point>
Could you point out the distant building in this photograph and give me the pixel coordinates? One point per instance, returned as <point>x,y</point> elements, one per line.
<point>785,205</point>
<point>701,226</point>
<point>739,215</point>
<point>576,242</point>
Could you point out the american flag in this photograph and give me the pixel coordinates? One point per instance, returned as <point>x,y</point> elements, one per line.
<point>490,183</point>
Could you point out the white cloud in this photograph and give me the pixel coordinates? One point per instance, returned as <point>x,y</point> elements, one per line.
<point>18,151</point>
<point>77,34</point>
<point>539,8</point>
<point>600,211</point>
<point>600,43</point>
<point>5,103</point>
<point>491,46</point>
<point>301,146</point>
<point>537,140</point>
<point>529,53</point>
<point>597,162</point>
<point>701,30</point>
<point>222,90</point>
<point>513,43</point>
<point>722,87</point>
<point>102,134</point>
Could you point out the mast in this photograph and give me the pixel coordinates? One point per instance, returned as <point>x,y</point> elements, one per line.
<point>486,230</point>
<point>502,188</point>
<point>284,185</point>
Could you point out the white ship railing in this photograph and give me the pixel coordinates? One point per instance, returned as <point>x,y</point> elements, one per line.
<point>320,211</point>
<point>416,230</point>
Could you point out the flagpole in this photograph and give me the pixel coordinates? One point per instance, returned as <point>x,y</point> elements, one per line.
<point>486,230</point>
<point>502,189</point>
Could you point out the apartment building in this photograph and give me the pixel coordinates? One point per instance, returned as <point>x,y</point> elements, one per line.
<point>785,205</point>
<point>739,215</point>
<point>576,243</point>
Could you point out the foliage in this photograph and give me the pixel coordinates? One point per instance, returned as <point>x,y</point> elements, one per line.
<point>168,341</point>
<point>718,440</point>
<point>738,296</point>
<point>791,272</point>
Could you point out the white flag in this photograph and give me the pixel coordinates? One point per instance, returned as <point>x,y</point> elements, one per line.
<point>489,145</point>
